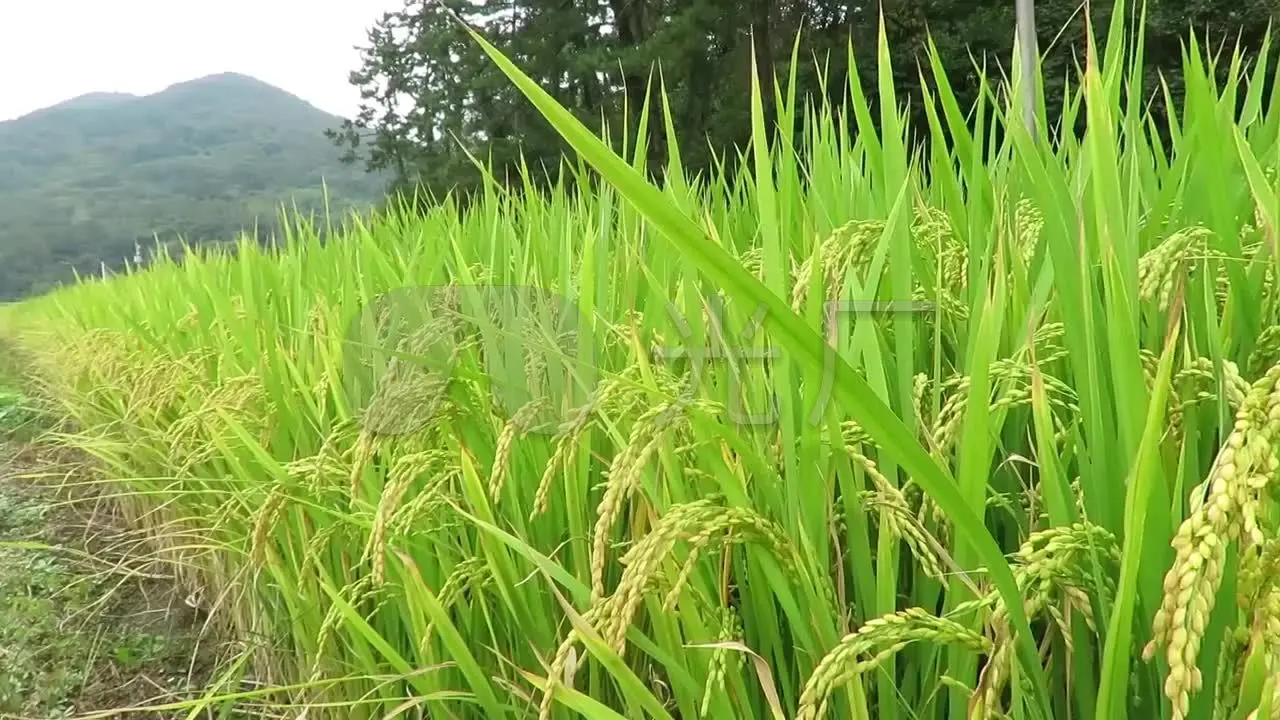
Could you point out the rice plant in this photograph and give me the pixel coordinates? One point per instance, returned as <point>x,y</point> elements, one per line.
<point>982,428</point>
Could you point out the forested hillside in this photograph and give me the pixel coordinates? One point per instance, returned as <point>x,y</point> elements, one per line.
<point>85,180</point>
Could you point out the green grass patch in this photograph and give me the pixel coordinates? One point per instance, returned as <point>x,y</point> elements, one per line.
<point>73,638</point>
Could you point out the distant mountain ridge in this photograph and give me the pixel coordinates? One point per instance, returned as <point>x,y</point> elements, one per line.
<point>82,181</point>
<point>82,102</point>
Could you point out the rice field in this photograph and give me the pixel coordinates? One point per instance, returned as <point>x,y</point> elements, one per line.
<point>860,429</point>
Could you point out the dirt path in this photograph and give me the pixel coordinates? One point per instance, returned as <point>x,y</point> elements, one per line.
<point>84,627</point>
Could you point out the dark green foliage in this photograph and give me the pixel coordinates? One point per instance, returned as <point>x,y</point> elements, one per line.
<point>83,181</point>
<point>429,93</point>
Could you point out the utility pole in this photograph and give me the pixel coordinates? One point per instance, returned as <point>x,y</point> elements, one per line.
<point>1029,52</point>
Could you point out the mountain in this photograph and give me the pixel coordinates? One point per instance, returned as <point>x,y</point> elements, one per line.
<point>81,182</point>
<point>92,100</point>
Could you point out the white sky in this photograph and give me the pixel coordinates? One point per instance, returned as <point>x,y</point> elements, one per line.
<point>54,50</point>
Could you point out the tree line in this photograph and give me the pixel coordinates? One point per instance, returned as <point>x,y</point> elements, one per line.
<point>431,96</point>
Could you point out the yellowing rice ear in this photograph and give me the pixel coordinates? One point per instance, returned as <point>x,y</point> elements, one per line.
<point>1078,426</point>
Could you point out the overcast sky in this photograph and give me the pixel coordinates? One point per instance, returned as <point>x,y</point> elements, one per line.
<point>54,50</point>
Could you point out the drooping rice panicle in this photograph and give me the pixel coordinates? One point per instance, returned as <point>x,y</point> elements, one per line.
<point>393,461</point>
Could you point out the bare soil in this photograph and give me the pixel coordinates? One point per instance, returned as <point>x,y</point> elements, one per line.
<point>88,627</point>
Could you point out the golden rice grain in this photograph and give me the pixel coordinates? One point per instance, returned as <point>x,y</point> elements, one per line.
<point>1225,514</point>
<point>883,636</point>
